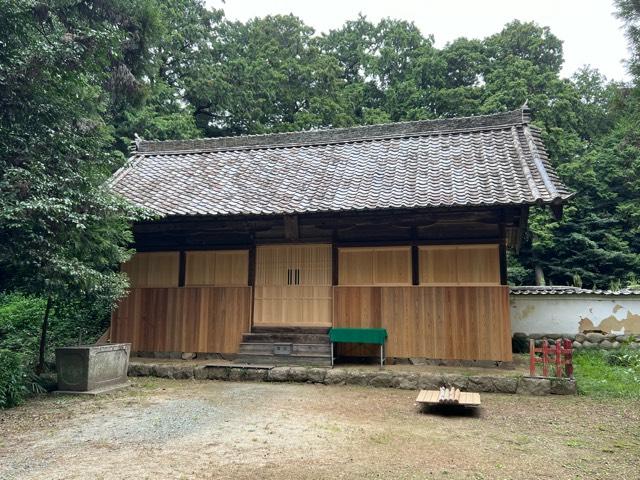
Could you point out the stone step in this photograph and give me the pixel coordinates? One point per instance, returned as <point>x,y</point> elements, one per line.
<point>296,348</point>
<point>283,337</point>
<point>306,360</point>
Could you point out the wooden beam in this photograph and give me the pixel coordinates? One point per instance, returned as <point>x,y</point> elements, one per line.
<point>402,221</point>
<point>291,229</point>
<point>145,247</point>
<point>257,222</point>
<point>389,243</point>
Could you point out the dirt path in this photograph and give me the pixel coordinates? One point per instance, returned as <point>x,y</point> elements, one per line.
<point>188,429</point>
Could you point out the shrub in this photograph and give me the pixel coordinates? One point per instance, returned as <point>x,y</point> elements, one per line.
<point>78,321</point>
<point>20,322</point>
<point>71,322</point>
<point>519,344</point>
<point>13,379</point>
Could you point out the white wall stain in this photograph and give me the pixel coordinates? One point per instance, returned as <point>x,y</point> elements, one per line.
<point>573,314</point>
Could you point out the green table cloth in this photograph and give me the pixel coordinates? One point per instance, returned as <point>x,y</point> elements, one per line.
<point>376,336</point>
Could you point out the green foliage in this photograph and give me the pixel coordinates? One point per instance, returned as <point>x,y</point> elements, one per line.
<point>516,273</point>
<point>13,379</point>
<point>20,321</point>
<point>519,344</point>
<point>608,373</point>
<point>78,321</point>
<point>64,69</point>
<point>74,321</point>
<point>61,231</point>
<point>629,12</point>
<point>626,357</point>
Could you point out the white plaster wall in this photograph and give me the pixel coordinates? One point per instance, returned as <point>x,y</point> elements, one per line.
<point>575,313</point>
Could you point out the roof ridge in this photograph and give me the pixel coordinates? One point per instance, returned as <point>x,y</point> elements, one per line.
<point>539,164</point>
<point>567,289</point>
<point>339,135</point>
<point>525,167</point>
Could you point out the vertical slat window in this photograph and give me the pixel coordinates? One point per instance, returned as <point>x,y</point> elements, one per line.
<point>293,285</point>
<point>282,265</point>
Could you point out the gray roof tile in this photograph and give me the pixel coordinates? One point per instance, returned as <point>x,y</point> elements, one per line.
<point>561,290</point>
<point>473,161</point>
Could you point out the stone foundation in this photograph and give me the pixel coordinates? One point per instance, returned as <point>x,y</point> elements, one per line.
<point>580,340</point>
<point>369,378</point>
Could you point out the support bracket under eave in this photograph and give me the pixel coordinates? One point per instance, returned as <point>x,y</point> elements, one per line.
<point>556,210</point>
<point>291,228</point>
<point>523,225</point>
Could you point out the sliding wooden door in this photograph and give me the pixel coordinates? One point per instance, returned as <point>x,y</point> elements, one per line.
<point>293,285</point>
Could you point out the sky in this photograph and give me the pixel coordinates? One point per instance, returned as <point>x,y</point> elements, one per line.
<point>590,32</point>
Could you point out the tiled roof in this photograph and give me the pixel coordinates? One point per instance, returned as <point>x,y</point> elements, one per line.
<point>535,290</point>
<point>474,161</point>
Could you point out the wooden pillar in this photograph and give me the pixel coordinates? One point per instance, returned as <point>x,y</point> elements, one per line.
<point>252,281</point>
<point>334,261</point>
<point>252,265</point>
<point>415,265</point>
<point>503,254</point>
<point>415,252</point>
<point>182,268</point>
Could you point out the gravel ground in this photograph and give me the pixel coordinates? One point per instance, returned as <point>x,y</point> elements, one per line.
<point>190,429</point>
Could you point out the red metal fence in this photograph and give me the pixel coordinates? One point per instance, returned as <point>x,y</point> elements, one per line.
<point>559,355</point>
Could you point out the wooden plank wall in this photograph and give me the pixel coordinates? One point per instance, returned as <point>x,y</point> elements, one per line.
<point>188,319</point>
<point>153,269</point>
<point>299,305</point>
<point>374,266</point>
<point>461,323</point>
<point>460,265</point>
<point>217,267</point>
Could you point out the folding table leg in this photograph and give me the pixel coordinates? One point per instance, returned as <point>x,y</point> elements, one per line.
<point>331,354</point>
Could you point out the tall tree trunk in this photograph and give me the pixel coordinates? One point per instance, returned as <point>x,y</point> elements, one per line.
<point>43,336</point>
<point>539,276</point>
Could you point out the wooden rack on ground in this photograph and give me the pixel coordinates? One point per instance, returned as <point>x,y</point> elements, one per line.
<point>448,396</point>
<point>559,355</point>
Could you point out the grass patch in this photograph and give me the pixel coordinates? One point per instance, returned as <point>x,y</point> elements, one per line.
<point>608,373</point>
<point>576,442</point>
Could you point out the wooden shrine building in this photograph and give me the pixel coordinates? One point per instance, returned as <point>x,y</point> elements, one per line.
<point>403,226</point>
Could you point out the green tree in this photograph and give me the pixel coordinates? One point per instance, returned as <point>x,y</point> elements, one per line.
<point>597,240</point>
<point>263,76</point>
<point>61,231</point>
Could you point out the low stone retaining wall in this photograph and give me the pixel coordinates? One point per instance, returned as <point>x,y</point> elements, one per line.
<point>343,376</point>
<point>580,340</point>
